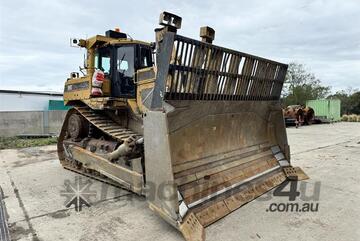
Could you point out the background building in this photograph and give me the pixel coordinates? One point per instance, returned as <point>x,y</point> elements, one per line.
<point>31,113</point>
<point>14,100</point>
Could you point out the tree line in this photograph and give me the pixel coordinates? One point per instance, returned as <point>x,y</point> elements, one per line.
<point>301,85</point>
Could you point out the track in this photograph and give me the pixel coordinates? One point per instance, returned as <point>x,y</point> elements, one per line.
<point>105,124</point>
<point>4,229</point>
<point>102,122</point>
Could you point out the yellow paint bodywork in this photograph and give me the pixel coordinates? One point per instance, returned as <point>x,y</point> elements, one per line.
<point>144,84</point>
<point>76,94</point>
<point>83,94</point>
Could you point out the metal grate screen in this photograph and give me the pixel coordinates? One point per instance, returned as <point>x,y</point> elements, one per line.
<point>201,71</point>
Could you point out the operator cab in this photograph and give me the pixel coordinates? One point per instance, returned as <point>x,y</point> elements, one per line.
<point>119,62</point>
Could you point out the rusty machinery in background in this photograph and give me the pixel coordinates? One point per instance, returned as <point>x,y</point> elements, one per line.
<point>299,115</point>
<point>199,123</point>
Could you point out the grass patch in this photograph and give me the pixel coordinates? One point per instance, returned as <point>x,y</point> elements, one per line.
<point>16,142</point>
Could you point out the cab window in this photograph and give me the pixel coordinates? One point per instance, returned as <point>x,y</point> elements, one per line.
<point>102,60</point>
<point>145,57</point>
<point>125,61</point>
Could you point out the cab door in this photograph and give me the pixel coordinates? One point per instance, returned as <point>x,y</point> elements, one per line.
<point>122,84</point>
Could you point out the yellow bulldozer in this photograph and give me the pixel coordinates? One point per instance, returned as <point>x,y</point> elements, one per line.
<point>198,126</point>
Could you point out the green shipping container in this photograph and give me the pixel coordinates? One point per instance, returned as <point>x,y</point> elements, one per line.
<point>329,109</point>
<point>57,105</point>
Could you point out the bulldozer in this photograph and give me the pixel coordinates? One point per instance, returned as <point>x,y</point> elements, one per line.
<point>196,128</point>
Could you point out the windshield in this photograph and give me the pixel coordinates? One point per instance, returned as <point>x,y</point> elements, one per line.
<point>125,61</point>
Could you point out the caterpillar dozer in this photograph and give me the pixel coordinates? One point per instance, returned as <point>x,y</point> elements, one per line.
<point>196,128</point>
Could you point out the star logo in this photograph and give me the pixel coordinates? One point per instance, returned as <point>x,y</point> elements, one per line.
<point>78,193</point>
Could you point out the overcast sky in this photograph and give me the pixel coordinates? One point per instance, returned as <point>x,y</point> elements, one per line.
<point>34,34</point>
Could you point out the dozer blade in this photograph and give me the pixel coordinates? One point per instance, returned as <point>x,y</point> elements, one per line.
<point>215,135</point>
